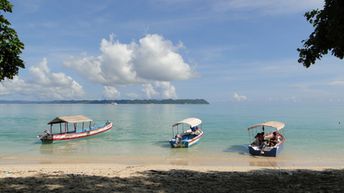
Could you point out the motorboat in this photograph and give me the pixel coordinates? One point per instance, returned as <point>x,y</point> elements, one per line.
<point>72,127</point>
<point>266,138</point>
<point>186,132</point>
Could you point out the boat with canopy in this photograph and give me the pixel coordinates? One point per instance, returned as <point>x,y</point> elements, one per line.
<point>72,127</point>
<point>186,132</point>
<point>266,138</point>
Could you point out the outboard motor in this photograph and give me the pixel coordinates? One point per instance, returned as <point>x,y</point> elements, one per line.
<point>46,137</point>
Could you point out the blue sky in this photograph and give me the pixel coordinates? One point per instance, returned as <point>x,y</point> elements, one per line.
<point>224,50</point>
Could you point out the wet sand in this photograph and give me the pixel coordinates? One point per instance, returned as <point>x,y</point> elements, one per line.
<point>206,160</point>
<point>166,178</point>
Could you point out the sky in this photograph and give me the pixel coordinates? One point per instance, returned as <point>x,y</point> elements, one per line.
<point>225,50</point>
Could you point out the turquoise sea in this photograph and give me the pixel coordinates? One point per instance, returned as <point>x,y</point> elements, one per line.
<point>140,134</point>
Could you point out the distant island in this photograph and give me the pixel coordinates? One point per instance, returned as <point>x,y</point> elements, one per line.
<point>124,101</point>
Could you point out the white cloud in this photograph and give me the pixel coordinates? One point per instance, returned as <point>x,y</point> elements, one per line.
<point>161,89</point>
<point>111,92</point>
<point>89,67</point>
<point>43,84</point>
<point>315,90</point>
<point>132,95</point>
<point>157,59</point>
<point>152,59</point>
<point>337,83</point>
<point>8,86</point>
<point>167,90</point>
<point>116,62</point>
<point>149,91</point>
<point>238,97</point>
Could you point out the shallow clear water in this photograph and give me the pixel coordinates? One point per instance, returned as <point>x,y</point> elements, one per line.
<point>143,131</point>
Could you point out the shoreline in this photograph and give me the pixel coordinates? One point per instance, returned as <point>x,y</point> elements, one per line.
<point>239,161</point>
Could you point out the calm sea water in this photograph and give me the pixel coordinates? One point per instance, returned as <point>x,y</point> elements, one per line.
<point>143,131</point>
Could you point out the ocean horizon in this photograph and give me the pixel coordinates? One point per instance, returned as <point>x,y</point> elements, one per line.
<point>140,134</point>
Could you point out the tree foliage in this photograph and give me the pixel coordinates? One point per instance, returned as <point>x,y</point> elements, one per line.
<point>10,45</point>
<point>328,35</point>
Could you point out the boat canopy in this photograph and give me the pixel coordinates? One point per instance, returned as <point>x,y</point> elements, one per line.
<point>70,119</point>
<point>189,121</point>
<point>274,124</point>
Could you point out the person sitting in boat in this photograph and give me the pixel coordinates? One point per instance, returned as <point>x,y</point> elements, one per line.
<point>274,139</point>
<point>195,130</point>
<point>259,139</point>
<point>178,138</point>
<point>256,141</point>
<point>263,142</point>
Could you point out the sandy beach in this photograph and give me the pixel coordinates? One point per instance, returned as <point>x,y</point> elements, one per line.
<point>166,178</point>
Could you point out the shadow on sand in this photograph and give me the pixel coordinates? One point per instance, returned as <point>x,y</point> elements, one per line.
<point>183,181</point>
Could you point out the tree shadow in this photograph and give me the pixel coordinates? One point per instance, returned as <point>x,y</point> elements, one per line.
<point>182,181</point>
